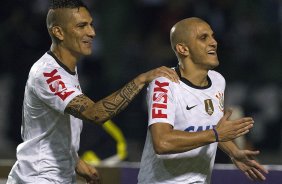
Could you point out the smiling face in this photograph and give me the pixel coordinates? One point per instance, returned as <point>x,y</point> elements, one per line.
<point>72,30</point>
<point>193,41</point>
<point>202,46</point>
<point>78,32</point>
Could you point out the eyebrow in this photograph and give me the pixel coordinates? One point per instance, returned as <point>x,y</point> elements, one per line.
<point>84,23</point>
<point>206,34</point>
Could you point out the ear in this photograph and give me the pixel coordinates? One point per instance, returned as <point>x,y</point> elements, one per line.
<point>182,49</point>
<point>57,31</point>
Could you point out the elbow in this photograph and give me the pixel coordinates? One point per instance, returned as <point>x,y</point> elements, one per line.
<point>94,116</point>
<point>98,120</point>
<point>162,148</point>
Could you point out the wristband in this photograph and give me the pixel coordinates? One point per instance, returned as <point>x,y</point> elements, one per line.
<point>215,134</point>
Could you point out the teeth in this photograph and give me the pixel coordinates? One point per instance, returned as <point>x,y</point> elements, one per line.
<point>211,52</point>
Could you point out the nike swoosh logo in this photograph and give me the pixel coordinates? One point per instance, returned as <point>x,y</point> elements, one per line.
<point>189,108</point>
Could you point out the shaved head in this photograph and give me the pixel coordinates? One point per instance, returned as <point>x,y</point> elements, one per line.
<point>182,30</point>
<point>59,13</point>
<point>56,17</point>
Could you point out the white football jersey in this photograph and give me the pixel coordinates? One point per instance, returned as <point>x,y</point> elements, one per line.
<point>188,108</point>
<point>51,138</point>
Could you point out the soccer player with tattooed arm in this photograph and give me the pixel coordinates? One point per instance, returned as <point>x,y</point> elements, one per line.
<point>187,120</point>
<point>54,104</point>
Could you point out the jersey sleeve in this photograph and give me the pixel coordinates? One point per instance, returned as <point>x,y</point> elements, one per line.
<point>161,105</point>
<point>56,88</point>
<point>218,79</point>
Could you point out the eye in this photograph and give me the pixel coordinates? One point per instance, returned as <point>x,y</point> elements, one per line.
<point>203,37</point>
<point>81,25</point>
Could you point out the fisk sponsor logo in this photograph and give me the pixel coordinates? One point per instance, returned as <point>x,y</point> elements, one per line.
<point>159,100</point>
<point>56,85</point>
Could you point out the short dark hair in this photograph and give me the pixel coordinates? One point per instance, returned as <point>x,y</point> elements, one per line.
<point>56,4</point>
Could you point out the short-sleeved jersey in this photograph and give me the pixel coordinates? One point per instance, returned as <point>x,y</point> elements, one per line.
<point>51,138</point>
<point>187,108</point>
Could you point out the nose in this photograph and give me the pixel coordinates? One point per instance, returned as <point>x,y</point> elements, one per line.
<point>91,31</point>
<point>213,42</point>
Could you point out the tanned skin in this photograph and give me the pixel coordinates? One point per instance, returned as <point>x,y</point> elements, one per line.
<point>72,34</point>
<point>194,44</point>
<point>84,108</point>
<point>73,39</point>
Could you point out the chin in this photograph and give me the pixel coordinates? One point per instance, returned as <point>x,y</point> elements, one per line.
<point>87,53</point>
<point>213,65</point>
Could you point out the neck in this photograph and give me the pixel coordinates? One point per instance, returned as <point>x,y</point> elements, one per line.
<point>65,56</point>
<point>196,76</point>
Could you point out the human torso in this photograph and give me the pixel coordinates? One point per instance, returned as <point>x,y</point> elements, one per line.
<point>186,108</point>
<point>50,137</point>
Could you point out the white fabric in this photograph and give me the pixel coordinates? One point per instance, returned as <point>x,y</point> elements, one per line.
<point>51,138</point>
<point>167,103</point>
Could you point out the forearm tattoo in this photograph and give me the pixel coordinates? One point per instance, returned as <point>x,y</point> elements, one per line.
<point>84,108</point>
<point>121,99</point>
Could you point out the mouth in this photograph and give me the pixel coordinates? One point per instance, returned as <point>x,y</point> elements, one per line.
<point>212,52</point>
<point>88,43</point>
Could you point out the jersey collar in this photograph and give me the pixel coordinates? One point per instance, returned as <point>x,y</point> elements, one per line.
<point>187,82</point>
<point>60,63</point>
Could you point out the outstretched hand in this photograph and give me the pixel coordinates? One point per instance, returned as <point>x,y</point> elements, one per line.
<point>88,172</point>
<point>244,160</point>
<point>231,129</point>
<point>158,72</point>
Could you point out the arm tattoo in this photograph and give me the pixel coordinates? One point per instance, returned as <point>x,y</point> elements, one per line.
<point>121,99</point>
<point>78,105</point>
<point>84,108</point>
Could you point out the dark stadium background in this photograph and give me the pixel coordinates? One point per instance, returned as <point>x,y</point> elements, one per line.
<point>133,37</point>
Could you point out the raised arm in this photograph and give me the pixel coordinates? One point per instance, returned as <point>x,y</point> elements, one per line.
<point>84,108</point>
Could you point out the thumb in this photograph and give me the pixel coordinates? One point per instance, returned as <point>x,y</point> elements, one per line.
<point>251,153</point>
<point>227,114</point>
<point>94,176</point>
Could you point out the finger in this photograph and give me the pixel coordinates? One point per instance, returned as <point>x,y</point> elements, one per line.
<point>244,130</point>
<point>260,167</point>
<point>94,176</point>
<point>245,120</point>
<point>259,175</point>
<point>247,174</point>
<point>242,133</point>
<point>227,114</point>
<point>251,153</point>
<point>176,76</point>
<point>244,125</point>
<point>166,75</point>
<point>97,179</point>
<point>252,174</point>
<point>171,73</point>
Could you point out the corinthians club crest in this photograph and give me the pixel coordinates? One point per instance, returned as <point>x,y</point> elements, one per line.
<point>209,106</point>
